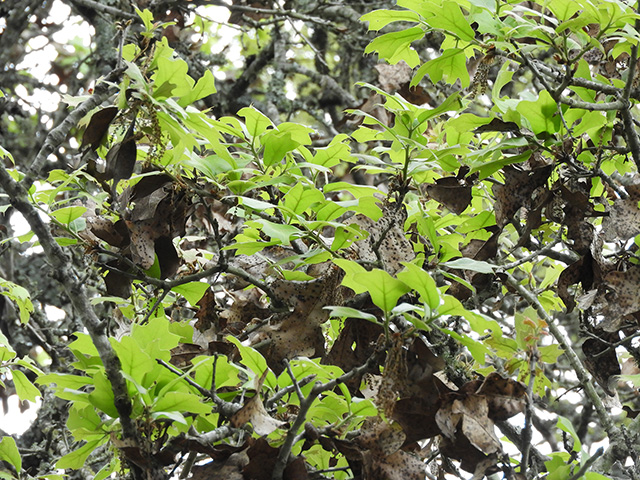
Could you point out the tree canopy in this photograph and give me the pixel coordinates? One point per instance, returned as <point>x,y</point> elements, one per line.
<point>310,239</point>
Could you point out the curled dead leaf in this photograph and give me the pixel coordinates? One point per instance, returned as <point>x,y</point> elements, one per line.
<point>98,127</point>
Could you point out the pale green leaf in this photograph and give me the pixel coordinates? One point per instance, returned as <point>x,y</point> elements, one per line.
<point>348,312</point>
<point>24,388</point>
<point>470,264</point>
<point>383,288</point>
<point>204,86</point>
<point>66,215</point>
<point>565,425</point>
<point>180,402</point>
<point>379,19</point>
<point>396,46</point>
<point>419,280</point>
<point>10,454</point>
<point>192,291</point>
<point>450,66</point>
<point>77,458</point>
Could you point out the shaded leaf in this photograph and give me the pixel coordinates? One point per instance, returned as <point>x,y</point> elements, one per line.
<point>98,127</point>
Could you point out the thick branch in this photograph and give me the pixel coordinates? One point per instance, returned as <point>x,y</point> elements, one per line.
<point>59,134</point>
<point>99,7</point>
<point>74,286</point>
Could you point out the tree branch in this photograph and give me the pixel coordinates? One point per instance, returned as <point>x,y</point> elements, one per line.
<point>305,405</point>
<point>59,134</point>
<point>615,435</point>
<point>74,286</point>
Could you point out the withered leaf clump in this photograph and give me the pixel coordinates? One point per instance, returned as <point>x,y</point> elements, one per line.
<point>467,417</point>
<point>623,221</point>
<point>601,359</point>
<point>121,158</point>
<point>254,412</point>
<point>159,214</point>
<point>299,331</point>
<point>617,298</point>
<point>517,190</point>
<point>453,192</point>
<point>386,242</point>
<point>420,406</point>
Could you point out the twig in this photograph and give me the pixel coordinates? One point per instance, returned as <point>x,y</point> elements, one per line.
<point>58,135</point>
<point>287,390</point>
<point>305,404</point>
<point>100,7</point>
<point>515,436</point>
<point>155,306</point>
<point>227,409</point>
<point>527,431</point>
<point>586,465</point>
<point>537,253</point>
<point>615,435</point>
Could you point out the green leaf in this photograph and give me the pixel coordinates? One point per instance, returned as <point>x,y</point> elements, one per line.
<point>348,312</point>
<point>156,337</point>
<point>102,395</point>
<point>24,388</point>
<point>301,197</point>
<point>451,65</point>
<point>64,381</point>
<point>20,296</point>
<point>147,18</point>
<point>254,360</point>
<point>550,353</point>
<point>203,88</point>
<point>449,17</point>
<point>383,288</point>
<point>172,71</point>
<point>175,416</point>
<point>379,19</point>
<point>6,351</point>
<point>192,291</point>
<point>276,146</point>
<point>10,454</point>
<point>396,46</point>
<point>419,280</point>
<point>470,264</point>
<point>565,425</point>
<point>134,359</point>
<point>542,114</point>
<point>84,422</point>
<point>257,123</point>
<point>485,169</point>
<point>563,9</point>
<point>330,156</point>
<point>276,231</point>
<point>77,458</point>
<point>351,269</point>
<point>180,402</point>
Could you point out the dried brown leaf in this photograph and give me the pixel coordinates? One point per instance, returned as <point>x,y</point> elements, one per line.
<point>387,235</point>
<point>392,77</point>
<point>617,298</point>
<point>451,192</point>
<point>623,221</point>
<point>505,397</point>
<point>516,191</point>
<point>98,127</point>
<point>601,359</point>
<point>254,412</point>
